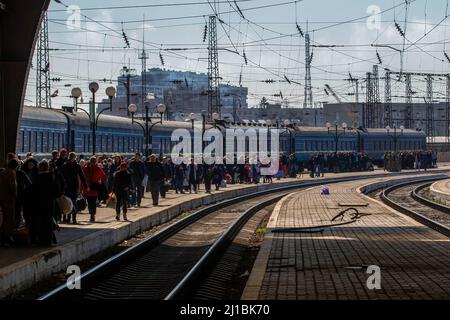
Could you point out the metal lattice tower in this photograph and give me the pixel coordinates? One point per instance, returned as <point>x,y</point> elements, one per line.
<point>213,70</point>
<point>387,99</point>
<point>370,101</point>
<point>43,67</point>
<point>409,123</point>
<point>430,113</point>
<point>308,89</point>
<point>376,92</point>
<point>143,57</point>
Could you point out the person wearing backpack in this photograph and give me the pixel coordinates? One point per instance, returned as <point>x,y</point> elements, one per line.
<point>8,194</point>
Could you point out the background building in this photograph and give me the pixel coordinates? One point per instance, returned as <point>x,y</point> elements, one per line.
<point>182,92</point>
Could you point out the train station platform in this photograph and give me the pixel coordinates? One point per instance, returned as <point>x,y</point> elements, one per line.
<point>22,267</point>
<point>332,262</point>
<point>440,191</point>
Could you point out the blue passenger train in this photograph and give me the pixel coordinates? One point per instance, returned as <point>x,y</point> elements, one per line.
<point>43,130</point>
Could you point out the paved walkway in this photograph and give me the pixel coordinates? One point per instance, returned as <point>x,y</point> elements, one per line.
<point>442,186</point>
<point>22,266</point>
<point>414,260</point>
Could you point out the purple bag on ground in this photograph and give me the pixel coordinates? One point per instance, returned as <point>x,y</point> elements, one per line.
<point>325,190</point>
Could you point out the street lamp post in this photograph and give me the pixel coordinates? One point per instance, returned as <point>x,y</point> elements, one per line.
<point>93,87</point>
<point>161,108</point>
<point>336,135</point>
<point>147,105</point>
<point>127,73</point>
<point>93,117</point>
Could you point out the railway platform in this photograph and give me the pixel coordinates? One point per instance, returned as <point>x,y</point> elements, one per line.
<point>328,259</point>
<point>440,191</point>
<point>22,267</point>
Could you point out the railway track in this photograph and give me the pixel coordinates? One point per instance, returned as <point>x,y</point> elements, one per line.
<point>408,198</point>
<point>197,256</point>
<point>169,263</point>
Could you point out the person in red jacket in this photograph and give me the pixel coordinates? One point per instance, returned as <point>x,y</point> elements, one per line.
<point>94,178</point>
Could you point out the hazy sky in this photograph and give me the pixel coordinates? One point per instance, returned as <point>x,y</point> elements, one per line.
<point>268,35</point>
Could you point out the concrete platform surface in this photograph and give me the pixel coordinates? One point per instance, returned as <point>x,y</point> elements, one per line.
<point>440,191</point>
<point>414,260</point>
<point>21,267</point>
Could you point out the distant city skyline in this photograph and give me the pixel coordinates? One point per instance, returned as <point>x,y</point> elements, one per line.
<point>267,33</point>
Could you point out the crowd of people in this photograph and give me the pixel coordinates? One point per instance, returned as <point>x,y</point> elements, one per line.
<point>418,160</point>
<point>338,162</point>
<point>37,196</point>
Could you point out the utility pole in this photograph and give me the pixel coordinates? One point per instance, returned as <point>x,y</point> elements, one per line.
<point>127,73</point>
<point>370,101</point>
<point>213,70</point>
<point>387,99</point>
<point>376,92</point>
<point>409,123</point>
<point>43,67</point>
<point>143,57</point>
<point>430,113</point>
<point>308,58</point>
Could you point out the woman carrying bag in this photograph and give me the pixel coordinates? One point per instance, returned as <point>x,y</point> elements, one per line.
<point>94,178</point>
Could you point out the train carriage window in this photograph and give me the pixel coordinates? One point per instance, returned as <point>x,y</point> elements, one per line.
<point>22,140</point>
<point>29,144</point>
<point>41,141</point>
<point>47,141</point>
<point>35,141</point>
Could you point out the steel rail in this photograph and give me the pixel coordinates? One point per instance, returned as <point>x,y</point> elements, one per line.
<point>411,213</point>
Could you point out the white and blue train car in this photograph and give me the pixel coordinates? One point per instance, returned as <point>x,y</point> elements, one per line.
<point>43,130</point>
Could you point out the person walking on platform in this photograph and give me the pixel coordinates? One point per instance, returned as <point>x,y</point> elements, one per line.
<point>23,205</point>
<point>168,175</point>
<point>138,168</point>
<point>8,194</point>
<point>121,186</point>
<point>94,178</point>
<point>44,193</point>
<point>29,167</point>
<point>62,158</point>
<point>207,176</point>
<point>179,177</point>
<point>113,168</point>
<point>71,171</point>
<point>192,176</point>
<point>155,176</point>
